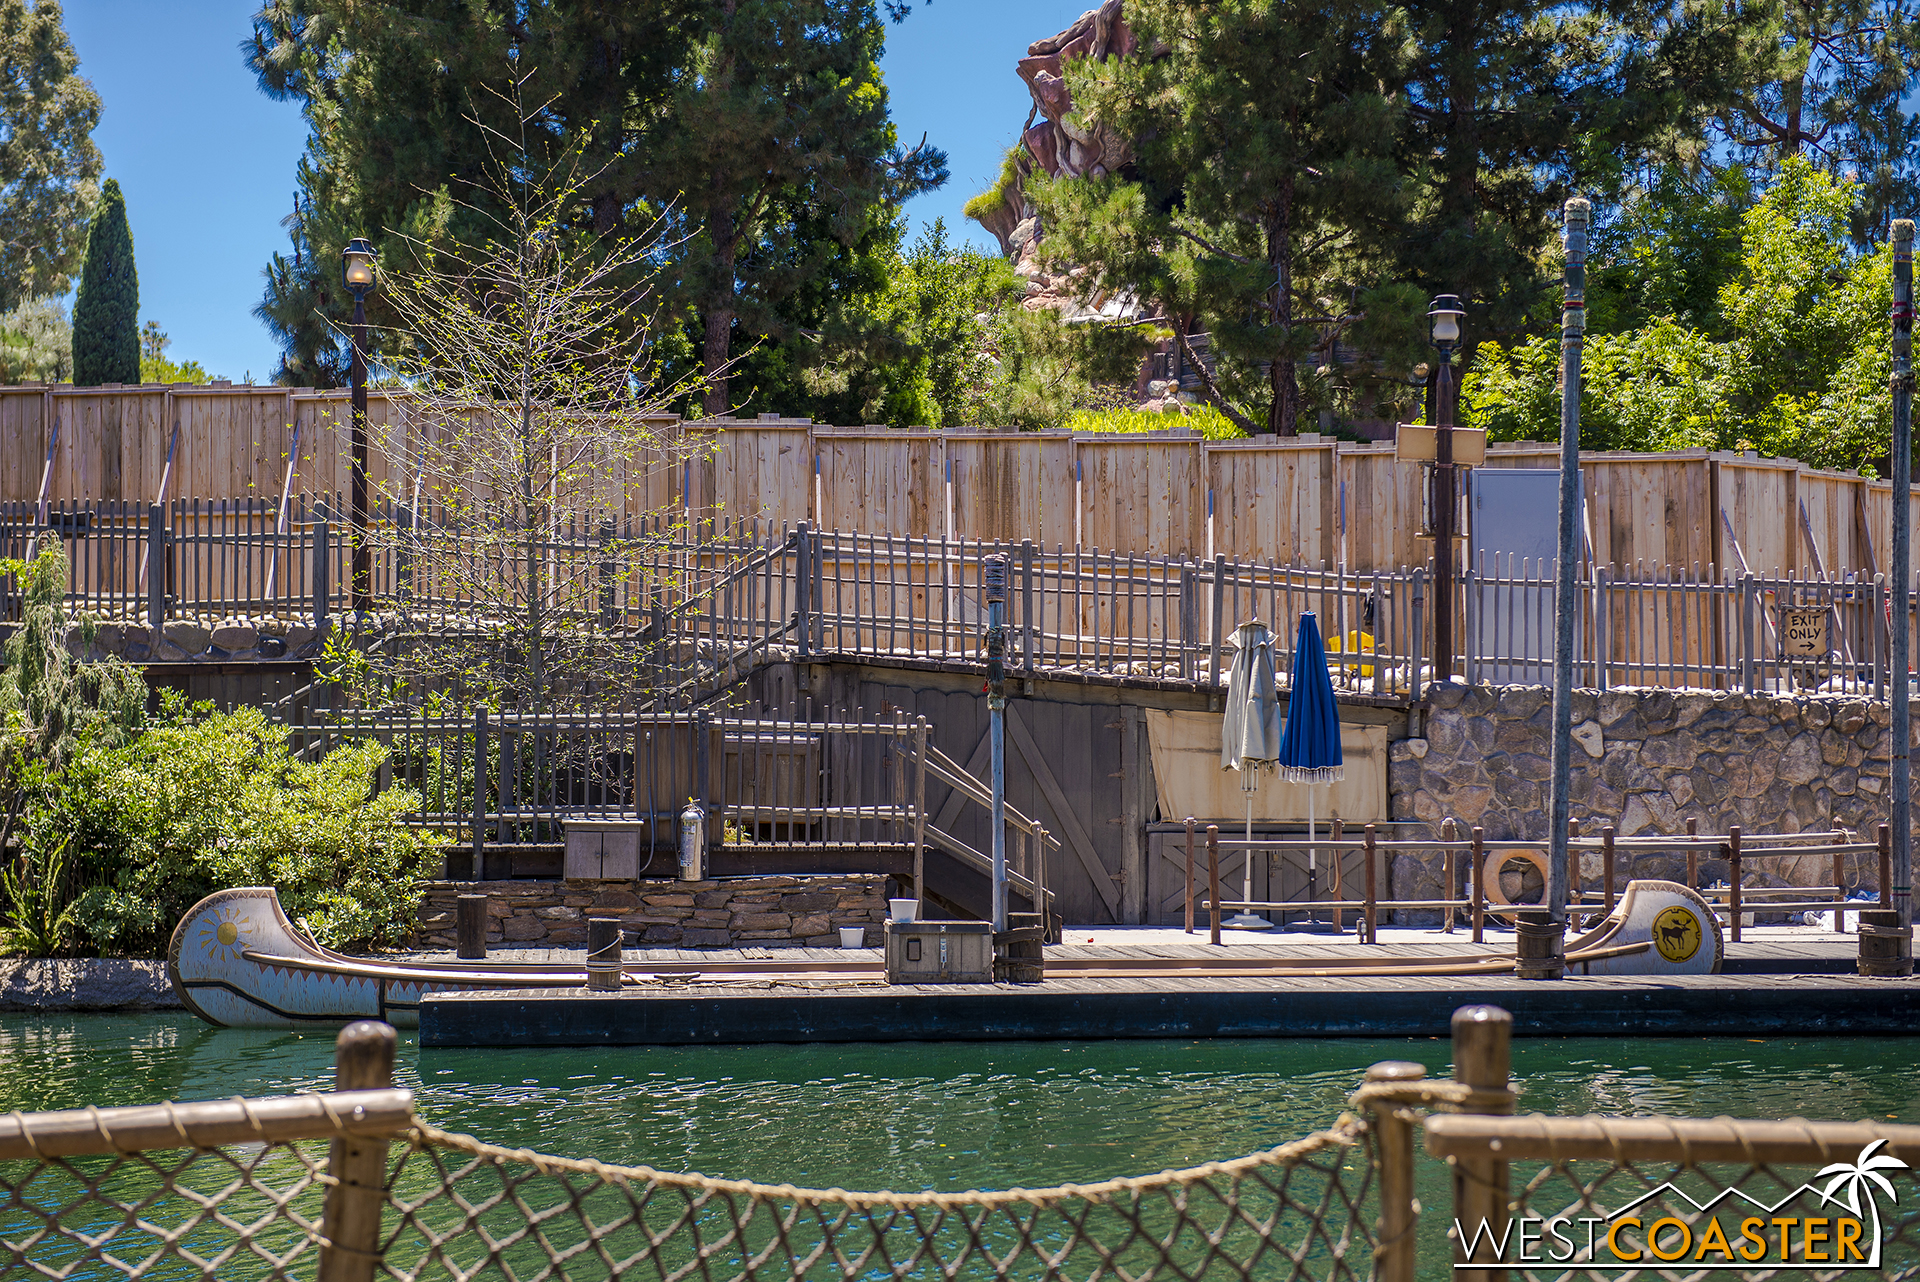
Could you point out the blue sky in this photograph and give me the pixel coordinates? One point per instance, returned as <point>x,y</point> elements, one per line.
<point>207,160</point>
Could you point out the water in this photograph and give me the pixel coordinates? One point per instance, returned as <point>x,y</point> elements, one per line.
<point>936,1116</point>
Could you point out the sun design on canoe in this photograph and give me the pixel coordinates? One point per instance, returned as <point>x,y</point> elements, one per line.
<point>226,932</point>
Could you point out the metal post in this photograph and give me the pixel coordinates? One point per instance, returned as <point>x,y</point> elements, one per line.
<point>1902,564</point>
<point>156,581</point>
<point>479,794</point>
<point>605,570</point>
<point>1573,327</point>
<point>357,376</point>
<point>1444,396</point>
<point>1026,606</point>
<point>803,589</point>
<point>993,571</point>
<point>322,588</point>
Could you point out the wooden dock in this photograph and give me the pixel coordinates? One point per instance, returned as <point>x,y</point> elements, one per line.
<point>798,1008</point>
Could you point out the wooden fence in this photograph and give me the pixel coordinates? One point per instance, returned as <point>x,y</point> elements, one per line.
<point>1305,501</point>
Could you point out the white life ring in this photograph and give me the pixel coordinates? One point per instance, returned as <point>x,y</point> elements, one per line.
<point>1496,861</point>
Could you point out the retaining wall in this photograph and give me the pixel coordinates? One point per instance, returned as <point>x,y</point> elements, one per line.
<point>1644,761</point>
<point>761,912</point>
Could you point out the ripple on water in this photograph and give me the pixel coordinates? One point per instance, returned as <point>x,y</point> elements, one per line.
<point>943,1116</point>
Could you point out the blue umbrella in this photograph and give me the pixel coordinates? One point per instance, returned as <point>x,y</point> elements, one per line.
<point>1310,744</point>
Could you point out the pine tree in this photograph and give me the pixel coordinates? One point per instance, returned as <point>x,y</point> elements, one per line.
<point>48,163</point>
<point>775,151</point>
<point>106,312</point>
<point>1263,183</point>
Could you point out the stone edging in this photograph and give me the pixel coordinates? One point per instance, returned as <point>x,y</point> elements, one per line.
<point>85,983</point>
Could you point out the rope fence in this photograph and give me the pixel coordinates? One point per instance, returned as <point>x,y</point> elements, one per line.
<point>351,1186</point>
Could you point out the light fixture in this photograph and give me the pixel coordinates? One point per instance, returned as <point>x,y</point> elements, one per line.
<point>1445,316</point>
<point>356,266</point>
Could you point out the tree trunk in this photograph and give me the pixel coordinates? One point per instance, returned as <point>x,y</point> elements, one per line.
<point>1283,413</point>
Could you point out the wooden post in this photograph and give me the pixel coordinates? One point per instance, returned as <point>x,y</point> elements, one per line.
<point>322,590</point>
<point>1189,874</point>
<point>1886,865</point>
<point>156,582</point>
<point>920,814</point>
<point>1449,832</point>
<point>1733,880</point>
<point>1373,912</point>
<point>603,953</point>
<point>1338,832</point>
<point>1213,880</point>
<point>1606,866</point>
<point>1478,853</point>
<point>1482,1051</point>
<point>1840,883</point>
<point>357,1165</point>
<point>1693,855</point>
<point>1393,1259</point>
<point>471,922</point>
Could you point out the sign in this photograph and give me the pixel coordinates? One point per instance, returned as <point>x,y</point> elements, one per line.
<point>1803,632</point>
<point>1413,443</point>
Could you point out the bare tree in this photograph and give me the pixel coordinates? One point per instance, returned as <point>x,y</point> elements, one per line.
<point>532,444</point>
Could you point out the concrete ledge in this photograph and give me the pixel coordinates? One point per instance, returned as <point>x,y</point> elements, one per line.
<point>87,983</point>
<point>1694,1006</point>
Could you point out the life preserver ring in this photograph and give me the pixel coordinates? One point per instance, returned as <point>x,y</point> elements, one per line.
<point>1496,861</point>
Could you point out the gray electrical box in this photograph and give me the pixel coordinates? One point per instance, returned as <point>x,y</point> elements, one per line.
<point>939,952</point>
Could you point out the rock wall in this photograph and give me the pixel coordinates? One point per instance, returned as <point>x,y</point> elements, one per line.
<point>1644,761</point>
<point>764,912</point>
<point>85,983</point>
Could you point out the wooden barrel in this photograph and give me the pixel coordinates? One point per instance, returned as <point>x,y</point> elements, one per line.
<point>1017,956</point>
<point>603,953</point>
<point>1539,947</point>
<point>1886,947</point>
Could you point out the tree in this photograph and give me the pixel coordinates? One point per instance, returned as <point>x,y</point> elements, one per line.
<point>398,118</point>
<point>528,356</point>
<point>156,367</point>
<point>1264,175</point>
<point>774,149</point>
<point>1794,363</point>
<point>36,343</point>
<point>49,166</point>
<point>1514,105</point>
<point>106,312</point>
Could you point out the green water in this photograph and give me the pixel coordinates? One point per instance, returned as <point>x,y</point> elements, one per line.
<point>936,1116</point>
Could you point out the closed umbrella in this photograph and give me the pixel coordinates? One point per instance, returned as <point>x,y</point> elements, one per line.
<point>1250,735</point>
<point>1310,747</point>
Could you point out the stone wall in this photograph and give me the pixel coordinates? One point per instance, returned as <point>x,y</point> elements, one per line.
<point>763,912</point>
<point>1644,761</point>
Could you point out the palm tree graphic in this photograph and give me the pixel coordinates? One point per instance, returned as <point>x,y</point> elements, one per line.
<point>1862,1174</point>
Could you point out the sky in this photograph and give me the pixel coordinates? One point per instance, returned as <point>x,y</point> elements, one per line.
<point>207,161</point>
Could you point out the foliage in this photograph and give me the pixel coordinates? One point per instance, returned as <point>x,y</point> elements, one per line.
<point>775,150</point>
<point>106,311</point>
<point>1204,419</point>
<point>1263,183</point>
<point>1801,371</point>
<point>156,367</point>
<point>36,343</point>
<point>206,800</point>
<point>50,702</point>
<point>49,166</point>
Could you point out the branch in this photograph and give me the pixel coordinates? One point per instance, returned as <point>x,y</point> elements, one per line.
<point>1214,394</point>
<point>1212,248</point>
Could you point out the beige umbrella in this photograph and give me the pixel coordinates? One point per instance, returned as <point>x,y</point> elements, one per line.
<point>1250,735</point>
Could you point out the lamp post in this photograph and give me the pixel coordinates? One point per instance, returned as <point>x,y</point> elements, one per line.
<point>993,573</point>
<point>1899,895</point>
<point>1444,317</point>
<point>357,270</point>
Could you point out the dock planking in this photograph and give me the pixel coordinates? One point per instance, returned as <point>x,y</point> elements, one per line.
<point>795,1010</point>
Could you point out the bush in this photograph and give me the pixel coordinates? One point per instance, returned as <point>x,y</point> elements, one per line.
<point>204,800</point>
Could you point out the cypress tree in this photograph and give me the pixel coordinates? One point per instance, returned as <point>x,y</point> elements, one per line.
<point>106,324</point>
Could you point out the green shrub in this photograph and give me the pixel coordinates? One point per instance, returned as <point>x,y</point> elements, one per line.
<point>206,800</point>
<point>1204,419</point>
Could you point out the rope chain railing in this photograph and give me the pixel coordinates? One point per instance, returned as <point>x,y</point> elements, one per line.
<point>244,1188</point>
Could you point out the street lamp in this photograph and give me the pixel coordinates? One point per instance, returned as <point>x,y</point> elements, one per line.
<point>1444,319</point>
<point>357,271</point>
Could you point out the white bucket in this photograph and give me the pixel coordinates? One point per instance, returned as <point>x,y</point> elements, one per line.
<point>903,910</point>
<point>853,937</point>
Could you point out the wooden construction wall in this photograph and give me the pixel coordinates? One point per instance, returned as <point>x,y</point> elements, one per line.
<point>1302,501</point>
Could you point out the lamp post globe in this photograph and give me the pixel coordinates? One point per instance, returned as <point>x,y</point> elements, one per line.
<point>1443,318</point>
<point>357,266</point>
